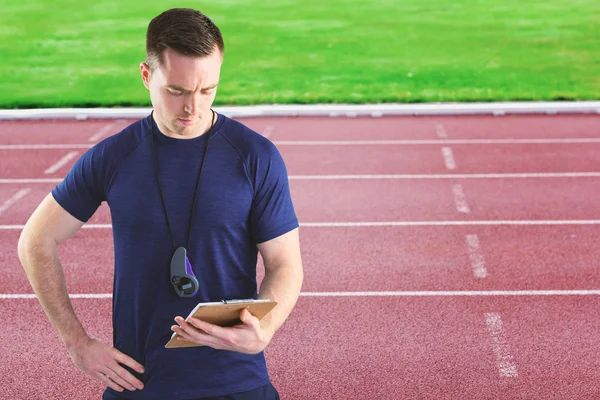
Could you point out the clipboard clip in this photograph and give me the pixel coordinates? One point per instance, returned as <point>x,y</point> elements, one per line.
<point>235,301</point>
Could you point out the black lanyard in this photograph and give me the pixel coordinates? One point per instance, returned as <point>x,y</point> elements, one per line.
<point>197,183</point>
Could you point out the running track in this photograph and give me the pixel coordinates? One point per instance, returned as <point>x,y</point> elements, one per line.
<point>445,258</point>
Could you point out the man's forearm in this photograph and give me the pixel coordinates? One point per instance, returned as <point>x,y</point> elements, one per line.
<point>45,273</point>
<point>282,285</point>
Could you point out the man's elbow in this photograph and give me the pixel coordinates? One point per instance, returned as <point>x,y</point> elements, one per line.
<point>297,277</point>
<point>300,272</point>
<point>30,244</point>
<point>24,245</point>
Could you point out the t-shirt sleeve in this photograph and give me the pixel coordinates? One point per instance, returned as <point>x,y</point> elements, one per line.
<point>82,191</point>
<point>272,212</point>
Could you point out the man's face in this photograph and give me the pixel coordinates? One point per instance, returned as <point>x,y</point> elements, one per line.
<point>182,91</point>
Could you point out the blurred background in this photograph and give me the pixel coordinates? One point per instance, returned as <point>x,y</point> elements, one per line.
<point>65,53</point>
<point>463,247</point>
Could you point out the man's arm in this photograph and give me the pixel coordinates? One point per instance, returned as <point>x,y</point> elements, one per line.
<point>283,277</point>
<point>47,227</point>
<point>282,283</point>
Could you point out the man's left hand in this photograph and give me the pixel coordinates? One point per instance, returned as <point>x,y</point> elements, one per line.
<point>248,337</point>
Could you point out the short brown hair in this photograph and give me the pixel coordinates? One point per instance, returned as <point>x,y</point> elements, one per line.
<point>185,30</point>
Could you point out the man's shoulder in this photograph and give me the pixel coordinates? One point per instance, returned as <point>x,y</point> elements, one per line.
<point>128,138</point>
<point>118,146</point>
<point>245,140</point>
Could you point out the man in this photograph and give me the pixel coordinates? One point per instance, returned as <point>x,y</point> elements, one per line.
<point>184,177</point>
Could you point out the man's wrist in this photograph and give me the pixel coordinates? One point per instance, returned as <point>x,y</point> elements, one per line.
<point>75,340</point>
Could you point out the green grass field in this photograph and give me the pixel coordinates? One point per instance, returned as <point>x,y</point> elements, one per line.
<point>69,53</point>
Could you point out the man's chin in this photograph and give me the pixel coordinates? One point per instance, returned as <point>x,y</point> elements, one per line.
<point>180,129</point>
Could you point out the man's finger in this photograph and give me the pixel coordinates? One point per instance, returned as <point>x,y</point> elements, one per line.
<point>130,380</point>
<point>116,376</point>
<point>130,362</point>
<point>210,329</point>
<point>108,382</point>
<point>184,327</point>
<point>246,317</point>
<point>182,333</point>
<point>200,337</point>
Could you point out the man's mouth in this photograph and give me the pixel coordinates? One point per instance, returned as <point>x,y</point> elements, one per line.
<point>186,122</point>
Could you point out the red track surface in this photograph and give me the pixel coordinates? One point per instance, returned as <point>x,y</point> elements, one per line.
<point>363,347</point>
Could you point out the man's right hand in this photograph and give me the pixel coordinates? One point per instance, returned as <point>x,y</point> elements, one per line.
<point>103,363</point>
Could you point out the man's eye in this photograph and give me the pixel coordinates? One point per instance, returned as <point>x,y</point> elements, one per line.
<point>175,92</point>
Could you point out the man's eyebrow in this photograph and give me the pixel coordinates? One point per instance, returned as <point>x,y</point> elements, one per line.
<point>175,87</point>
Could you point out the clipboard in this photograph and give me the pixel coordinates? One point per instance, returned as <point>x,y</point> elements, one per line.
<point>224,313</point>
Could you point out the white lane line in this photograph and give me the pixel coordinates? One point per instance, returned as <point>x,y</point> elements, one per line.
<point>13,200</point>
<point>447,223</point>
<point>268,131</point>
<point>448,158</point>
<point>410,142</point>
<point>73,296</point>
<point>459,293</point>
<point>44,146</point>
<point>452,176</point>
<point>441,131</point>
<point>345,143</point>
<point>61,163</point>
<point>399,177</point>
<point>460,200</point>
<point>440,293</point>
<point>476,257</point>
<point>47,180</point>
<point>102,132</point>
<point>504,358</point>
<point>394,223</point>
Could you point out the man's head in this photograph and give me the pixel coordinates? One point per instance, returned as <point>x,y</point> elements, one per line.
<point>184,53</point>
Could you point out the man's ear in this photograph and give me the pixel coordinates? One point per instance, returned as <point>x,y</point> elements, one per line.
<point>146,73</point>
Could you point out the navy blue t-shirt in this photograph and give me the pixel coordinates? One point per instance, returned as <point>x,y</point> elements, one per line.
<point>244,199</point>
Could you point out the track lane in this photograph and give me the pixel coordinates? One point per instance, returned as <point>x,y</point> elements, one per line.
<point>375,259</point>
<point>348,348</point>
